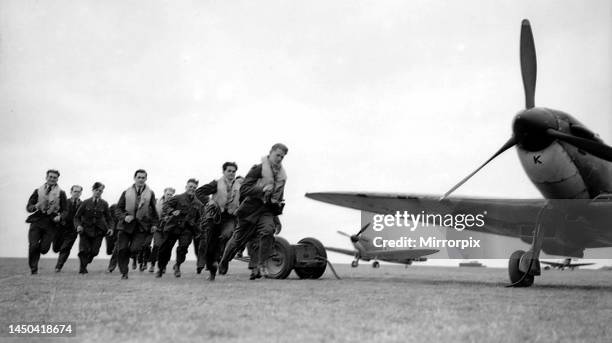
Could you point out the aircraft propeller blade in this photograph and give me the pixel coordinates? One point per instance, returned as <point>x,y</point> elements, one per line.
<point>528,63</point>
<point>600,150</point>
<point>363,229</point>
<point>344,234</point>
<point>509,144</point>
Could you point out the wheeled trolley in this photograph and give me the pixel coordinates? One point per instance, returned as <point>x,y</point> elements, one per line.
<point>308,258</point>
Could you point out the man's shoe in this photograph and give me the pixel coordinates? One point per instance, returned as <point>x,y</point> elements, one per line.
<point>159,273</point>
<point>213,271</point>
<point>134,264</point>
<point>177,270</point>
<point>264,271</point>
<point>124,276</point>
<point>110,270</point>
<point>34,271</point>
<point>223,265</point>
<point>255,274</point>
<point>83,271</point>
<point>163,270</point>
<point>152,268</point>
<point>199,270</point>
<point>58,269</point>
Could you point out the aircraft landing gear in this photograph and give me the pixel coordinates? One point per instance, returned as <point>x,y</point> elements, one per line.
<point>517,277</point>
<point>375,264</point>
<point>355,263</point>
<point>523,267</point>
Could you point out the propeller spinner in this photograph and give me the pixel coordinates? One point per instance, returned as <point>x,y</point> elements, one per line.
<point>356,237</point>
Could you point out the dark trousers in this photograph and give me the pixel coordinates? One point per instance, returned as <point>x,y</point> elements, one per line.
<point>111,249</point>
<point>158,239</point>
<point>168,241</point>
<point>89,247</point>
<point>253,250</point>
<point>128,244</point>
<point>217,236</point>
<point>40,237</point>
<point>261,230</point>
<point>112,263</point>
<point>110,243</point>
<point>68,239</point>
<point>199,241</point>
<point>196,244</point>
<point>60,236</point>
<point>144,255</point>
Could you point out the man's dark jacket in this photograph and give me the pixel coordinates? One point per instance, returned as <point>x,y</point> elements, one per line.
<point>189,217</point>
<point>94,218</point>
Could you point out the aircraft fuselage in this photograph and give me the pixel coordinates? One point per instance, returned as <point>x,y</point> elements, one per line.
<point>560,170</point>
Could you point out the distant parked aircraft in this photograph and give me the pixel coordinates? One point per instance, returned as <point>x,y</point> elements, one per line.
<point>366,251</point>
<point>567,263</point>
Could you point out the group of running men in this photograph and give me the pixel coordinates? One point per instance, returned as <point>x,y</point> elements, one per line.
<point>221,218</point>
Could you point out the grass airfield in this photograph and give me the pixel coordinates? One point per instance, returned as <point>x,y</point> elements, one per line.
<point>390,304</point>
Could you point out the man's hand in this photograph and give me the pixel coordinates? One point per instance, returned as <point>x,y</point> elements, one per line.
<point>79,229</point>
<point>57,218</point>
<point>176,212</point>
<point>153,229</point>
<point>267,193</point>
<point>268,188</point>
<point>129,218</point>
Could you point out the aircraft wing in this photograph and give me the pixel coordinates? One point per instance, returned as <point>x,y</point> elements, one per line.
<point>395,255</point>
<point>342,251</point>
<point>506,217</point>
<point>579,264</point>
<point>400,255</point>
<point>503,216</point>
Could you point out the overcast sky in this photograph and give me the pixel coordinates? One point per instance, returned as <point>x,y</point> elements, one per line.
<point>400,96</point>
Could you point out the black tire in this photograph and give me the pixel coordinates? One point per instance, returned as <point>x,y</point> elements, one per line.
<point>354,264</point>
<point>514,272</point>
<point>280,264</point>
<point>375,264</point>
<point>313,272</point>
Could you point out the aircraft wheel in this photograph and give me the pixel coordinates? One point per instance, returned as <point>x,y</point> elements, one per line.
<point>316,271</point>
<point>375,264</point>
<point>281,262</point>
<point>514,271</point>
<point>354,264</point>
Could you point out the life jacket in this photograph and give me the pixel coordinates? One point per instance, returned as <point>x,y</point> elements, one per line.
<point>138,206</point>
